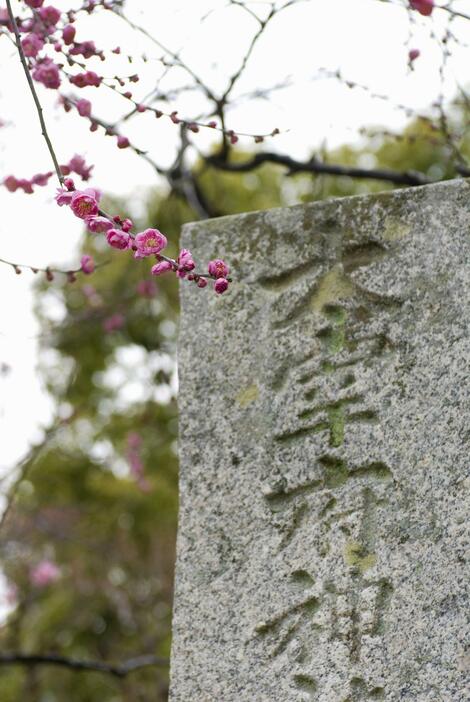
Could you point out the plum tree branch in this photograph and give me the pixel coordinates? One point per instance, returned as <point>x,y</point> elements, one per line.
<point>118,670</point>
<point>34,94</point>
<point>315,166</point>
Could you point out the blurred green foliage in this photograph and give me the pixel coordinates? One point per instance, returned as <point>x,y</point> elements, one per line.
<point>77,502</point>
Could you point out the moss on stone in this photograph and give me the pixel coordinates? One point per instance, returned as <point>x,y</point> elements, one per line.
<point>356,556</point>
<point>248,395</point>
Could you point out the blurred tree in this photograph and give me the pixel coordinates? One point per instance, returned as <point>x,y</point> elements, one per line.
<point>97,498</point>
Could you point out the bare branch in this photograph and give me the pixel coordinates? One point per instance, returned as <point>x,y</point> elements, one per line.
<point>118,670</point>
<point>315,166</point>
<point>171,53</point>
<point>34,94</point>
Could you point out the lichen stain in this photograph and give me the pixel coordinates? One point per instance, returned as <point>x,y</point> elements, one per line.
<point>248,395</point>
<point>395,229</point>
<point>333,286</point>
<point>356,556</point>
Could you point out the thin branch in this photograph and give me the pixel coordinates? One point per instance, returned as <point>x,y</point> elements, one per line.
<point>118,670</point>
<point>72,271</point>
<point>319,167</point>
<point>455,13</point>
<point>34,94</point>
<point>262,26</point>
<point>23,468</point>
<point>173,54</point>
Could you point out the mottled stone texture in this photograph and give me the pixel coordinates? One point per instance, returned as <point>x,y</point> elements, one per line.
<point>324,445</point>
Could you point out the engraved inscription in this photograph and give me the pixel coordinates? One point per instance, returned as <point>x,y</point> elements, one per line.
<point>338,501</point>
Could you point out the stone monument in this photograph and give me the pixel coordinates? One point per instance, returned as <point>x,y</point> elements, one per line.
<point>325,428</point>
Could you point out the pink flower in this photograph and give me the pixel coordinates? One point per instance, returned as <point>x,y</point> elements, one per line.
<point>34,3</point>
<point>41,178</point>
<point>68,34</point>
<point>87,49</point>
<point>5,19</point>
<point>44,573</point>
<point>220,285</point>
<point>218,268</point>
<point>84,203</point>
<point>87,264</point>
<point>161,268</point>
<point>50,14</point>
<point>118,239</point>
<point>47,73</point>
<point>32,45</point>
<point>81,80</point>
<point>122,142</point>
<point>424,7</point>
<point>201,283</point>
<point>93,299</point>
<point>413,54</point>
<point>134,440</point>
<point>84,107</point>
<point>25,185</point>
<point>97,224</point>
<point>185,260</point>
<point>63,197</point>
<point>77,165</point>
<point>11,183</point>
<point>113,323</point>
<point>146,288</point>
<point>151,241</point>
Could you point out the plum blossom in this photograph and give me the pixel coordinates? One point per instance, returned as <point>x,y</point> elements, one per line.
<point>87,49</point>
<point>68,34</point>
<point>218,268</point>
<point>220,285</point>
<point>97,224</point>
<point>82,80</point>
<point>44,573</point>
<point>118,239</point>
<point>84,203</point>
<point>146,288</point>
<point>12,184</point>
<point>47,73</point>
<point>77,165</point>
<point>149,242</point>
<point>162,267</point>
<point>83,107</point>
<point>63,197</point>
<point>41,178</point>
<point>185,260</point>
<point>136,465</point>
<point>424,7</point>
<point>32,45</point>
<point>413,54</point>
<point>35,4</point>
<point>93,298</point>
<point>87,264</point>
<point>113,323</point>
<point>49,14</point>
<point>122,142</point>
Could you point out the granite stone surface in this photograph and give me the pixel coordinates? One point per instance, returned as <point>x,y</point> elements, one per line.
<point>325,422</point>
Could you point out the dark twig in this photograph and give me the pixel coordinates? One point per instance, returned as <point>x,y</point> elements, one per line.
<point>118,670</point>
<point>71,271</point>
<point>315,166</point>
<point>34,94</point>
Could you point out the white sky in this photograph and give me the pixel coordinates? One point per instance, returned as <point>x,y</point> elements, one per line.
<point>367,39</point>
